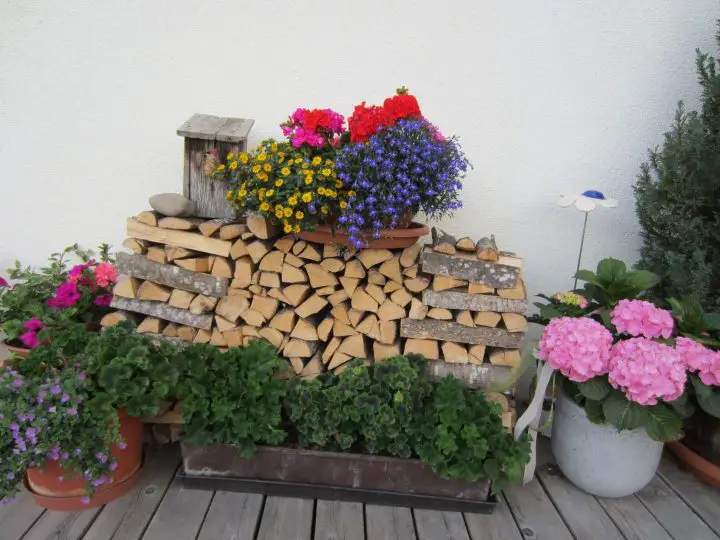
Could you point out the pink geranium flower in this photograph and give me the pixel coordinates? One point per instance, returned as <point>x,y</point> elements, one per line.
<point>578,348</point>
<point>640,318</point>
<point>647,371</point>
<point>105,273</point>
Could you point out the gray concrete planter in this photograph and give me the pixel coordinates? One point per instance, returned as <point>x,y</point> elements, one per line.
<point>599,459</point>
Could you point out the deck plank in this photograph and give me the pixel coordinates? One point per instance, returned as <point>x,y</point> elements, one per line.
<point>703,499</point>
<point>338,520</point>
<point>672,513</point>
<point>62,525</point>
<point>434,525</point>
<point>581,512</point>
<point>180,514</point>
<point>500,525</point>
<point>232,516</point>
<point>389,523</point>
<point>128,517</point>
<point>286,518</point>
<point>535,514</point>
<point>633,519</point>
<point>18,516</point>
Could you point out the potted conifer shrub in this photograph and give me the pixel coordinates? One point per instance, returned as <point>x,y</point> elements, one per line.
<point>677,206</point>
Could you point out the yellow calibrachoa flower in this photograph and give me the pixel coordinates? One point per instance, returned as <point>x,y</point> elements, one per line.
<point>317,160</point>
<point>261,157</point>
<point>288,212</point>
<point>307,197</point>
<point>269,192</point>
<point>220,168</point>
<point>326,172</point>
<point>351,194</point>
<point>308,180</point>
<point>299,214</point>
<point>243,158</point>
<point>285,171</point>
<point>287,228</point>
<point>256,169</point>
<point>274,147</point>
<point>278,207</point>
<point>267,167</point>
<point>305,165</point>
<point>229,195</point>
<point>230,156</point>
<point>296,228</point>
<point>262,176</point>
<point>279,182</point>
<point>264,207</point>
<point>281,155</point>
<point>233,165</point>
<point>343,205</point>
<point>321,191</point>
<point>324,210</point>
<point>330,193</point>
<point>292,201</point>
<point>242,192</point>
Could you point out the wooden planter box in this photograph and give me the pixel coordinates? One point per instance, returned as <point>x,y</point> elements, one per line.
<point>332,475</point>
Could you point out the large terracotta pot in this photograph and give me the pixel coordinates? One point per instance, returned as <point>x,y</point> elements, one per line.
<point>66,495</point>
<point>704,470</point>
<point>20,351</point>
<point>389,238</point>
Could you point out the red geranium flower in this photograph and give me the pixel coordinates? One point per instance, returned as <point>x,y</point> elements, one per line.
<point>401,106</point>
<point>316,118</point>
<point>366,121</point>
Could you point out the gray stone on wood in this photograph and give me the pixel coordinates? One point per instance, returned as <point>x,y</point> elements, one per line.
<point>164,311</point>
<point>172,204</point>
<point>474,376</point>
<point>173,276</point>
<point>467,266</point>
<point>473,302</point>
<point>458,333</point>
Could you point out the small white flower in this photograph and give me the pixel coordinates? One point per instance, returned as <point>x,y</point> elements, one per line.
<point>587,201</point>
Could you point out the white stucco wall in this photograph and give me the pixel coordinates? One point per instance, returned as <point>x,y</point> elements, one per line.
<point>548,96</point>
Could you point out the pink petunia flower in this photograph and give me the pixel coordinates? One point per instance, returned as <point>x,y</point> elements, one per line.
<point>65,296</point>
<point>103,300</point>
<point>640,318</point>
<point>33,324</point>
<point>578,348</point>
<point>4,283</point>
<point>30,339</point>
<point>647,371</point>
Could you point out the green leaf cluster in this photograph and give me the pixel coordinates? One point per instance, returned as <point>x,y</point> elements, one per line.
<point>233,397</point>
<point>612,282</point>
<point>677,198</point>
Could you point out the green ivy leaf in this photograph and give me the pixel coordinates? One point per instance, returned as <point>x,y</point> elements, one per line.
<point>663,424</point>
<point>596,388</point>
<point>623,413</point>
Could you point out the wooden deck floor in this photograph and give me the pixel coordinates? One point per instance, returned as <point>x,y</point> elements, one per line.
<point>674,506</point>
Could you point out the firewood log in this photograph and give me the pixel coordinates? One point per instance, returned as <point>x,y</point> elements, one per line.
<point>390,311</point>
<point>150,325</point>
<point>311,306</point>
<point>294,260</point>
<point>454,353</point>
<point>333,265</point>
<point>362,301</point>
<point>211,226</point>
<point>418,310</point>
<point>135,245</point>
<point>443,242</point>
<point>156,254</point>
<point>376,292</point>
<point>465,244</point>
<point>298,247</point>
<point>355,315</point>
<point>444,283</point>
<point>515,322</point>
<point>349,284</point>
<point>232,231</point>
<point>291,274</point>
<point>340,312</point>
<point>313,367</point>
<point>238,249</point>
<point>179,223</point>
<point>272,336</point>
<point>417,285</point>
<point>486,249</point>
<point>221,267</point>
<point>332,250</point>
<point>515,293</point>
<point>319,277</point>
<point>382,351</point>
<point>337,361</point>
<point>297,348</point>
<point>340,329</point>
<point>354,269</point>
<point>257,250</point>
<point>376,278</point>
<point>392,286</point>
<point>285,243</point>
<point>253,318</point>
<point>325,291</point>
<point>173,252</point>
<point>311,253</point>
<point>401,297</point>
<point>127,287</point>
<point>354,346</point>
<point>223,324</point>
<point>476,354</point>
<point>231,307</point>
<point>330,349</point>
<point>427,347</point>
<point>391,269</point>
<point>465,318</point>
<point>148,218</point>
<point>284,321</point>
<point>152,291</point>
<point>234,337</point>
<point>115,317</point>
<point>270,280</point>
<point>202,336</point>
<point>202,304</point>
<point>195,264</point>
<point>505,357</point>
<point>373,257</point>
<point>324,329</point>
<point>260,227</point>
<point>387,332</point>
<point>272,262</point>
<point>411,272</point>
<point>304,329</point>
<point>296,294</point>
<point>265,306</point>
<point>480,288</point>
<point>186,333</point>
<point>410,255</point>
<point>440,314</point>
<point>337,297</point>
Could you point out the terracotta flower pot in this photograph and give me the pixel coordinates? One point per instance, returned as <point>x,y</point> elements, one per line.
<point>20,351</point>
<point>389,238</point>
<point>704,470</point>
<point>67,495</point>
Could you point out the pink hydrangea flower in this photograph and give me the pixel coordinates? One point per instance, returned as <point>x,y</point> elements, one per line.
<point>699,358</point>
<point>647,371</point>
<point>640,318</point>
<point>578,347</point>
<point>105,274</point>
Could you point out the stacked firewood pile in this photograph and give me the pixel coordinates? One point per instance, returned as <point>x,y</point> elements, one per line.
<point>222,282</point>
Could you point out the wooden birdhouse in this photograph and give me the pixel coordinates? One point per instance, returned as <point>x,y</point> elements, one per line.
<point>203,133</point>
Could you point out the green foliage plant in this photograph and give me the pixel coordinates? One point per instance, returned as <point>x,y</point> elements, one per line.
<point>677,199</point>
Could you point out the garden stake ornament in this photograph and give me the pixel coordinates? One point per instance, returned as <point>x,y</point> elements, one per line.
<point>586,202</point>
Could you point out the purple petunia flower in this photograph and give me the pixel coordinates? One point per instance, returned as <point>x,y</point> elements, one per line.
<point>72,411</point>
<point>65,398</point>
<point>55,389</point>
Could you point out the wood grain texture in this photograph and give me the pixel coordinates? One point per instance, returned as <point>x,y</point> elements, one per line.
<point>535,515</point>
<point>389,523</point>
<point>18,517</point>
<point>127,517</point>
<point>457,333</point>
<point>703,499</point>
<point>475,376</point>
<point>473,302</point>
<point>235,130</point>
<point>180,514</point>
<point>339,520</point>
<point>468,267</point>
<point>499,525</point>
<point>633,519</point>
<point>232,516</point>
<point>185,239</point>
<point>60,525</point>
<point>433,524</point>
<point>164,311</point>
<point>676,517</point>
<point>287,519</point>
<point>206,193</point>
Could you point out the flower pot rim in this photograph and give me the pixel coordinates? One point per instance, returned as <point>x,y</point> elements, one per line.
<point>389,238</point>
<point>75,504</point>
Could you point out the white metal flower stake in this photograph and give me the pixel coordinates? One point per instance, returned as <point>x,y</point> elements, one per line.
<point>586,202</point>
